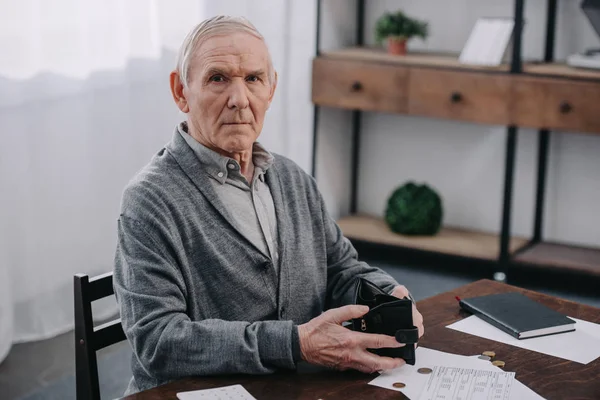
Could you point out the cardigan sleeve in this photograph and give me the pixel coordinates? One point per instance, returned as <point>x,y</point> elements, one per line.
<point>168,345</point>
<point>344,267</point>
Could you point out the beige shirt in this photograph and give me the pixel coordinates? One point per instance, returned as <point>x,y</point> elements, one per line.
<point>250,203</point>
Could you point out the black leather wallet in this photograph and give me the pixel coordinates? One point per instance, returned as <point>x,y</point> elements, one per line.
<point>387,315</point>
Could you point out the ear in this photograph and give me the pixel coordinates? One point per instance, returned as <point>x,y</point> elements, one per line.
<point>273,87</point>
<point>177,92</point>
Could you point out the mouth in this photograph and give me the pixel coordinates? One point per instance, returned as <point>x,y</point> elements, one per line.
<point>236,123</point>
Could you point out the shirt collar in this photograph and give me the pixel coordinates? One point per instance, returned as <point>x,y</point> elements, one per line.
<point>219,166</point>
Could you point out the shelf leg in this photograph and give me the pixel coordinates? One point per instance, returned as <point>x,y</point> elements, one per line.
<point>356,115</point>
<point>316,108</point>
<point>509,172</point>
<point>356,122</point>
<point>542,167</point>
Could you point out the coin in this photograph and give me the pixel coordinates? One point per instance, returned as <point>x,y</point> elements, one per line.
<point>424,370</point>
<point>490,354</point>
<point>399,385</point>
<point>486,358</point>
<point>498,363</point>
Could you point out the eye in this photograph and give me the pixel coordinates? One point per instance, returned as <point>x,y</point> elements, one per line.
<point>252,78</point>
<point>217,78</point>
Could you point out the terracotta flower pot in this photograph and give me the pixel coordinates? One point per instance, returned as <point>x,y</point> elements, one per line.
<point>396,45</point>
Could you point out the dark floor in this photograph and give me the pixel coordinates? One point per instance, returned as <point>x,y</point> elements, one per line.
<point>45,369</point>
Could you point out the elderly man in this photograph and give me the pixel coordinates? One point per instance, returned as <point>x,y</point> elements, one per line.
<point>227,260</point>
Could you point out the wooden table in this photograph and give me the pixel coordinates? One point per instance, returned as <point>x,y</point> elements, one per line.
<point>551,377</point>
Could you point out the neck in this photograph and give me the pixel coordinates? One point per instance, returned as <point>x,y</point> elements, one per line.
<point>243,158</point>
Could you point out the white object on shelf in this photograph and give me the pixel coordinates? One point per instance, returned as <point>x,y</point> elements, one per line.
<point>488,42</point>
<point>584,61</point>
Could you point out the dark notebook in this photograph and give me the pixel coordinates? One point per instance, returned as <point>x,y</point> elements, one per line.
<point>518,315</point>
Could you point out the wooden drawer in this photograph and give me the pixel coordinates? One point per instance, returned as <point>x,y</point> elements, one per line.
<point>463,95</point>
<point>557,104</point>
<point>359,85</point>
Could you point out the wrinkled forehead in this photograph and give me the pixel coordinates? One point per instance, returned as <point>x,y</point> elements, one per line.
<point>237,51</point>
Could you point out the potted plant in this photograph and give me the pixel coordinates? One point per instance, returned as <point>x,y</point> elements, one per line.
<point>396,28</point>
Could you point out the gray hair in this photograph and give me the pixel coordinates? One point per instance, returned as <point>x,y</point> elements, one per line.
<point>214,26</point>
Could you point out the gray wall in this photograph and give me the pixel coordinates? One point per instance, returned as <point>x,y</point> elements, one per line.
<point>464,162</point>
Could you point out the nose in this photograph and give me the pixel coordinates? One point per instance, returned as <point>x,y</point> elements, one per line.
<point>238,94</point>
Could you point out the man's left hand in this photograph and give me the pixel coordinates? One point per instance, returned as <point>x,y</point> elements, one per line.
<point>401,292</point>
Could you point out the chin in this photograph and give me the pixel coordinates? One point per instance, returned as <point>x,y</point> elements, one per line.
<point>239,141</point>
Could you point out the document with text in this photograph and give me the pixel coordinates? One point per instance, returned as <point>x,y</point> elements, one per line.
<point>455,383</point>
<point>233,392</point>
<point>445,372</point>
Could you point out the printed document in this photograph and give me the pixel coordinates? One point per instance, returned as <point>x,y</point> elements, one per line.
<point>446,383</point>
<point>233,392</point>
<point>414,384</point>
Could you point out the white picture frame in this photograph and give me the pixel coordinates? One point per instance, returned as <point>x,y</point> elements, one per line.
<point>488,42</point>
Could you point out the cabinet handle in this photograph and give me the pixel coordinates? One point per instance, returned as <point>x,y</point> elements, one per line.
<point>565,107</point>
<point>356,87</point>
<point>456,97</point>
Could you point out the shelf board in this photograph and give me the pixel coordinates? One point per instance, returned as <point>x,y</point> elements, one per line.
<point>561,70</point>
<point>562,256</point>
<point>459,242</point>
<point>434,60</point>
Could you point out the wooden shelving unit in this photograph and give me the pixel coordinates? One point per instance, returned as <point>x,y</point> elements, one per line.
<point>376,54</point>
<point>454,241</point>
<point>560,70</point>
<point>542,95</point>
<point>560,256</point>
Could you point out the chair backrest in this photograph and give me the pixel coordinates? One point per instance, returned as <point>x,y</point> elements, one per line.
<point>89,339</point>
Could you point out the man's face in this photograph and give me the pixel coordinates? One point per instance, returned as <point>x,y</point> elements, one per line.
<point>229,91</point>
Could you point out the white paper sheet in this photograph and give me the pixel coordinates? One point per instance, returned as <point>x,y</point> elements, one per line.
<point>233,392</point>
<point>582,345</point>
<point>415,382</point>
<point>455,383</point>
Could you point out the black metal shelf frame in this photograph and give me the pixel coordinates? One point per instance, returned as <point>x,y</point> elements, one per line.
<point>504,260</point>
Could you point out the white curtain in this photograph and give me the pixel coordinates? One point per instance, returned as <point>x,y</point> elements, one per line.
<point>84,104</point>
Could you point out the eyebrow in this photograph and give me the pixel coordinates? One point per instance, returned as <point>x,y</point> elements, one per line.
<point>219,71</point>
<point>258,72</point>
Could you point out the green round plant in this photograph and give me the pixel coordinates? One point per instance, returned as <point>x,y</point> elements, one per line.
<point>414,210</point>
<point>399,25</point>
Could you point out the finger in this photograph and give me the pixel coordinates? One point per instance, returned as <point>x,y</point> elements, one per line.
<point>369,362</point>
<point>377,341</point>
<point>345,313</point>
<point>417,316</point>
<point>400,292</point>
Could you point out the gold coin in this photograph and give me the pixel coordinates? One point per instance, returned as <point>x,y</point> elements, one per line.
<point>490,354</point>
<point>498,363</point>
<point>424,370</point>
<point>486,358</point>
<point>399,385</point>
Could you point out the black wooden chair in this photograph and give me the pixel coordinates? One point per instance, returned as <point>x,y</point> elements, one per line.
<point>89,339</point>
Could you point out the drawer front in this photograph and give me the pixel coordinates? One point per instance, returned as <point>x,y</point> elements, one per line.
<point>462,95</point>
<point>573,106</point>
<point>556,104</point>
<point>359,85</point>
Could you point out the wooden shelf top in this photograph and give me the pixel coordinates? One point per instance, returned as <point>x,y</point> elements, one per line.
<point>562,256</point>
<point>419,59</point>
<point>437,60</point>
<point>561,70</point>
<point>460,242</point>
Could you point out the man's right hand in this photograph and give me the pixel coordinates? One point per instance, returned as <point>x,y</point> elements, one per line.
<point>324,341</point>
